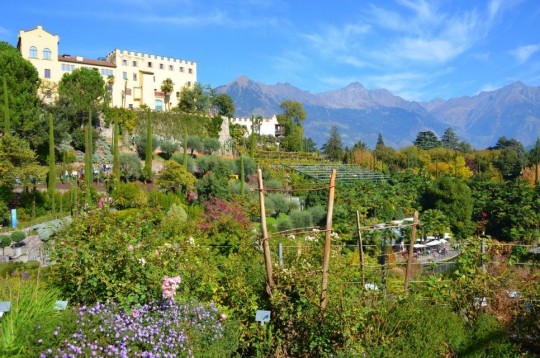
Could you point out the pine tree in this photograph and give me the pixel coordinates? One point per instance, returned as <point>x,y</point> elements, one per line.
<point>333,148</point>
<point>52,170</point>
<point>450,139</point>
<point>380,142</point>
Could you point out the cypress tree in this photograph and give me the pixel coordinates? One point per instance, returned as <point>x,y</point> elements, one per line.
<point>7,125</point>
<point>116,154</point>
<point>252,139</point>
<point>148,156</point>
<point>184,145</point>
<point>52,171</point>
<point>242,176</point>
<point>88,157</point>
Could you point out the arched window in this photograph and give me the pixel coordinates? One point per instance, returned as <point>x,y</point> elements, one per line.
<point>33,52</point>
<point>159,105</point>
<point>46,54</point>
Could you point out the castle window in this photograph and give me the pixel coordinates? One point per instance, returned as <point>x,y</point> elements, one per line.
<point>181,69</point>
<point>46,54</point>
<point>134,77</point>
<point>124,62</point>
<point>190,71</point>
<point>170,67</point>
<point>160,66</point>
<point>33,52</point>
<point>134,63</point>
<point>124,75</point>
<point>47,73</point>
<point>150,64</point>
<point>159,105</point>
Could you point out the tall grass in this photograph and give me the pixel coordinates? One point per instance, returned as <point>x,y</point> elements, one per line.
<point>32,301</point>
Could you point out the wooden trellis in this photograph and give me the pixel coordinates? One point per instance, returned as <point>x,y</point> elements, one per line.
<point>345,172</point>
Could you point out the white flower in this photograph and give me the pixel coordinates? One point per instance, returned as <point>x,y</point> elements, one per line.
<point>191,240</point>
<point>334,235</point>
<point>142,261</point>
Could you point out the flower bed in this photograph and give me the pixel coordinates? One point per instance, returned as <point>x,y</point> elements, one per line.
<point>161,329</point>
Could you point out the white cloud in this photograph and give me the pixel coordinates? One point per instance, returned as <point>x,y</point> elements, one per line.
<point>523,53</point>
<point>213,18</point>
<point>488,87</point>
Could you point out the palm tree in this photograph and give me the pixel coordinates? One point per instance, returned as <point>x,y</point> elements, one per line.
<point>167,87</point>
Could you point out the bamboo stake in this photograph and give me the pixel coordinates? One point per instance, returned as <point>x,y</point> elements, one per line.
<point>266,246</point>
<point>411,251</point>
<point>360,249</point>
<point>327,242</point>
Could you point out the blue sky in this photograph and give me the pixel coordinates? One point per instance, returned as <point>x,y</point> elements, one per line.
<point>417,49</point>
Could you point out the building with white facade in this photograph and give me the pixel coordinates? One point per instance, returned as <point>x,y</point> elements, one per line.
<point>267,126</point>
<point>136,77</point>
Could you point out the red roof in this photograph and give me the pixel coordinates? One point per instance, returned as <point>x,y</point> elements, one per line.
<point>85,61</point>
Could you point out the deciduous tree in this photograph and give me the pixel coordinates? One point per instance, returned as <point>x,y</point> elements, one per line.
<point>292,119</point>
<point>225,105</point>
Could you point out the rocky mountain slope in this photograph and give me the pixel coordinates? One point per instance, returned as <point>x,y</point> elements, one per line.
<point>361,114</point>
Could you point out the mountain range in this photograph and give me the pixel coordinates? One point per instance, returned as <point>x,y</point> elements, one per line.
<point>361,114</point>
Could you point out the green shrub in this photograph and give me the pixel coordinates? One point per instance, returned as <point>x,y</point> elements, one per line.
<point>219,166</point>
<point>179,157</point>
<point>18,236</point>
<point>489,339</point>
<point>130,166</point>
<point>167,148</point>
<point>301,219</point>
<point>129,195</point>
<point>318,213</point>
<point>284,223</point>
<point>210,145</point>
<point>157,199</point>
<point>119,256</point>
<point>250,167</point>
<point>5,241</point>
<point>141,145</point>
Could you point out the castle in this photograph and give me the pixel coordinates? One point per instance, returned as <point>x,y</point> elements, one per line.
<point>134,78</point>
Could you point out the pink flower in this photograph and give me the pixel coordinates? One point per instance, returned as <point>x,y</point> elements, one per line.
<point>223,317</point>
<point>169,286</point>
<point>131,248</point>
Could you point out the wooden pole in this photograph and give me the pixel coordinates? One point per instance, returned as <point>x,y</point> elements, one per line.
<point>266,246</point>
<point>360,249</point>
<point>327,242</point>
<point>411,251</point>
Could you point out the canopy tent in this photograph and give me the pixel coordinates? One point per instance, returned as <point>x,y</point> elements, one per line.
<point>418,246</point>
<point>433,243</point>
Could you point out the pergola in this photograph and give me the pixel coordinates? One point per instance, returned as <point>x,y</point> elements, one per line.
<point>345,173</point>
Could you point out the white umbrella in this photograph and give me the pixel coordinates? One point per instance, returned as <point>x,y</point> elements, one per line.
<point>417,246</point>
<point>433,243</point>
<point>443,241</point>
